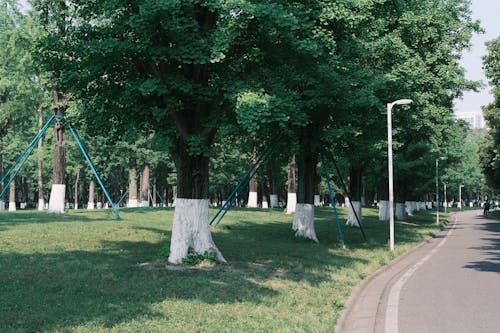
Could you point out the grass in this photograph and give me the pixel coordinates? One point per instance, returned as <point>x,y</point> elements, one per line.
<point>86,272</point>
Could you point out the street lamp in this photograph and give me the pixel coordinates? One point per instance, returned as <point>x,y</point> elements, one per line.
<point>389,157</point>
<point>445,200</point>
<point>442,158</point>
<point>460,196</point>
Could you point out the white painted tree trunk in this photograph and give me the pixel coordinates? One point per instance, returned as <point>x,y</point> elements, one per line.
<point>317,201</point>
<point>265,204</point>
<point>291,203</point>
<point>56,200</point>
<point>303,221</point>
<point>191,228</point>
<point>356,205</point>
<point>90,204</point>
<point>12,197</point>
<point>132,203</point>
<point>2,205</point>
<point>383,210</point>
<point>41,203</point>
<point>400,211</point>
<point>409,208</point>
<point>252,200</point>
<point>274,200</point>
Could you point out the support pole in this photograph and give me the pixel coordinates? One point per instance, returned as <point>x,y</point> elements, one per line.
<point>239,187</point>
<point>21,160</point>
<point>332,199</point>
<point>89,161</point>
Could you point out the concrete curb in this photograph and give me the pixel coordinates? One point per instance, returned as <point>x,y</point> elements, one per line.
<point>360,288</point>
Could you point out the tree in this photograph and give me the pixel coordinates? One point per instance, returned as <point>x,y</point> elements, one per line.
<point>20,93</point>
<point>489,150</point>
<point>177,67</point>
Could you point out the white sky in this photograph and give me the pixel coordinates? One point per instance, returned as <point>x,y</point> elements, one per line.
<point>488,12</point>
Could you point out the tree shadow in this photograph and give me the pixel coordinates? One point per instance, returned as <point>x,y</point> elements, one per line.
<point>65,288</point>
<point>490,249</point>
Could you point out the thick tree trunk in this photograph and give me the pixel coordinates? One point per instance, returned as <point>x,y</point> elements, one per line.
<point>273,197</point>
<point>191,228</point>
<point>400,211</point>
<point>383,210</point>
<point>91,202</point>
<point>303,222</point>
<point>145,186</point>
<point>12,196</point>
<point>355,188</point>
<point>57,195</point>
<point>132,188</point>
<point>291,201</point>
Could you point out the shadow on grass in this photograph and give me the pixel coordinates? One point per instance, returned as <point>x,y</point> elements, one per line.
<point>61,290</point>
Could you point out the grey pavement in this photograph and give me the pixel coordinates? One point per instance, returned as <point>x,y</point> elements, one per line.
<point>450,283</point>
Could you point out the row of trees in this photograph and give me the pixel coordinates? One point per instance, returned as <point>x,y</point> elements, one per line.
<point>180,91</point>
<point>490,156</point>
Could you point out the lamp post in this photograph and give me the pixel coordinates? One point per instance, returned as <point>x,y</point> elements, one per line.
<point>389,157</point>
<point>442,158</point>
<point>460,196</point>
<point>445,200</point>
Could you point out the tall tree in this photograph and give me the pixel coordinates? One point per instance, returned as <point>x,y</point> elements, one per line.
<point>489,151</point>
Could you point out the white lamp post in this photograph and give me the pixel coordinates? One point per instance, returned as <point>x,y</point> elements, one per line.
<point>389,157</point>
<point>460,196</point>
<point>442,158</point>
<point>445,200</point>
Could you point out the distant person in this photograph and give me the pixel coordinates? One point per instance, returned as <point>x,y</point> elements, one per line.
<point>486,208</point>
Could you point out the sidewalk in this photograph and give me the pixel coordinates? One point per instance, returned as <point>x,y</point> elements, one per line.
<point>366,308</point>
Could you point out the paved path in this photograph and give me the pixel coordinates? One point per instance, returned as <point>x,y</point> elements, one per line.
<point>449,284</point>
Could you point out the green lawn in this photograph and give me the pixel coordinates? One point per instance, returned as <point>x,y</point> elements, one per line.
<point>86,272</point>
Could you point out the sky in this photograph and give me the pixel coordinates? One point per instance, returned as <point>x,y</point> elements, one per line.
<point>488,12</point>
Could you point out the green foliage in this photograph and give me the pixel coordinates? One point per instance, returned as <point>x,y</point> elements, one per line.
<point>193,258</point>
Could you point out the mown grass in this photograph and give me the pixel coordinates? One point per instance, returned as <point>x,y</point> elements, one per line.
<point>86,272</point>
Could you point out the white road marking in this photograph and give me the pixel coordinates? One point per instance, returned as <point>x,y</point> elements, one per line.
<point>391,313</point>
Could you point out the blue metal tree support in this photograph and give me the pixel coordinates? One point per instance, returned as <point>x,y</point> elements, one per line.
<point>19,163</point>
<point>92,167</point>
<point>228,203</point>
<point>332,200</point>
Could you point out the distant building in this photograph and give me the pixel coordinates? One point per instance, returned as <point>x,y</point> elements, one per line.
<point>474,118</point>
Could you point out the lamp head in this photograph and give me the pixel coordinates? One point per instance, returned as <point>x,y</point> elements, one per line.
<point>402,101</point>
<point>442,158</point>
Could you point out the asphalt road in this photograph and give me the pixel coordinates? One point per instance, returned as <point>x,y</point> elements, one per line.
<point>457,287</point>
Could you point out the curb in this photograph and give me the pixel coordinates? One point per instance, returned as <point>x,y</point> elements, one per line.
<point>341,322</point>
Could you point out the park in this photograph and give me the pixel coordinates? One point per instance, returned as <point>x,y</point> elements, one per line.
<point>233,166</point>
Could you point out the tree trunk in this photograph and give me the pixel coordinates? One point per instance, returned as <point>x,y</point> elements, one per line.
<point>154,192</point>
<point>356,190</point>
<point>273,197</point>
<point>253,185</point>
<point>76,188</point>
<point>12,196</point>
<point>303,222</point>
<point>383,201</point>
<point>57,195</point>
<point>91,202</point>
<point>191,228</point>
<point>145,186</point>
<point>132,188</point>
<point>291,201</point>
<point>41,200</point>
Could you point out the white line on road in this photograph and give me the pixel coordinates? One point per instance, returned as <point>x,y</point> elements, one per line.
<point>391,313</point>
